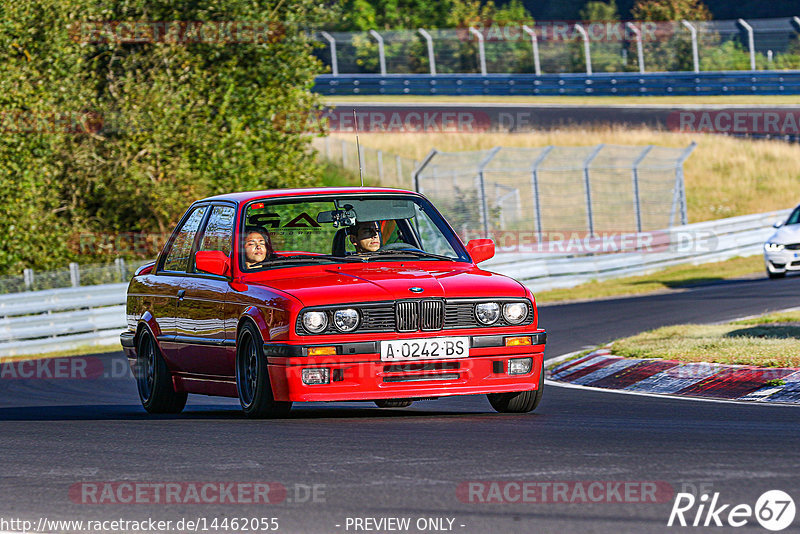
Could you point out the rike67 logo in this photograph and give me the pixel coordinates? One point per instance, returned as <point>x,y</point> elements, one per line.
<point>774,510</point>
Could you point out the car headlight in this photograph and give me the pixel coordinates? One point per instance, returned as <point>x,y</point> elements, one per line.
<point>345,320</point>
<point>773,247</point>
<point>487,312</point>
<point>315,321</point>
<point>515,312</point>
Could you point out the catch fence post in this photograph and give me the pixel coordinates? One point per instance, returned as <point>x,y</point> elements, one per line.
<point>637,209</point>
<point>334,63</point>
<point>535,187</point>
<point>537,69</point>
<point>588,188</point>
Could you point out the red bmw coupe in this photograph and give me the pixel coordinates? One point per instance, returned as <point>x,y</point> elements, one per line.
<point>346,294</point>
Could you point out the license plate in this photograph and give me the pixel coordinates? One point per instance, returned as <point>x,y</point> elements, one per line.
<point>424,349</point>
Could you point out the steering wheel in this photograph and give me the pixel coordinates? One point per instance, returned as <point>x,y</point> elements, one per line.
<point>399,246</point>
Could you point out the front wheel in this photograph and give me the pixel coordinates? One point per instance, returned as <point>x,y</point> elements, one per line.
<point>774,276</point>
<point>153,379</point>
<point>518,401</point>
<point>252,377</point>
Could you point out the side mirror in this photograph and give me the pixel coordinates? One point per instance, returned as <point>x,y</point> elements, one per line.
<point>213,261</point>
<point>480,249</point>
<point>777,224</point>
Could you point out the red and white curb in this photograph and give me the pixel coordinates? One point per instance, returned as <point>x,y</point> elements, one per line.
<point>599,369</point>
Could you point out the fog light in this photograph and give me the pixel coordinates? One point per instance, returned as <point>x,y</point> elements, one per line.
<point>517,341</point>
<point>520,366</point>
<point>319,375</point>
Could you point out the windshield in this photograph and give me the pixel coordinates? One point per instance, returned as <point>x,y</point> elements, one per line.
<point>344,229</point>
<point>794,218</point>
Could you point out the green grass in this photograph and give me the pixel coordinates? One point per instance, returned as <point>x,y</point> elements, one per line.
<point>576,100</point>
<point>672,278</point>
<point>770,344</point>
<point>789,316</point>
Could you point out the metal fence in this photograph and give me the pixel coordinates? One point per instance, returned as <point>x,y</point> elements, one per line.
<point>548,190</point>
<point>74,275</point>
<point>381,168</point>
<point>568,47</point>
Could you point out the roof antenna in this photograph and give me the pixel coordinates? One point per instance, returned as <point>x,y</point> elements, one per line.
<point>358,149</point>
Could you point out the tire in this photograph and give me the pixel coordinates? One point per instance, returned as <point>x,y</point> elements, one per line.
<point>153,379</point>
<point>393,403</point>
<point>518,401</point>
<point>775,276</point>
<point>252,377</point>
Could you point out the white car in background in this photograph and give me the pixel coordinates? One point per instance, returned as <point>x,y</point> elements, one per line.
<point>782,249</point>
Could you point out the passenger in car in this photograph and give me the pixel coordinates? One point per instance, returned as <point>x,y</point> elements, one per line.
<point>365,236</point>
<point>257,246</point>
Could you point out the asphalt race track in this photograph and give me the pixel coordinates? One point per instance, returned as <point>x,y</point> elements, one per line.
<point>411,463</point>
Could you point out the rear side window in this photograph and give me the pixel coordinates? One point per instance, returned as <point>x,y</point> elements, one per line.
<point>179,253</point>
<point>219,230</point>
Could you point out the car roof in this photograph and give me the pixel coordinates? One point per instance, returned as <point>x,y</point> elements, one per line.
<point>245,196</point>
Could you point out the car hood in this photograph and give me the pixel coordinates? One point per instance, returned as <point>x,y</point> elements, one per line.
<point>375,282</point>
<point>786,235</point>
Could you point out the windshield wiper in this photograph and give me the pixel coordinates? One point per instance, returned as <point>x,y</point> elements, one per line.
<point>414,252</point>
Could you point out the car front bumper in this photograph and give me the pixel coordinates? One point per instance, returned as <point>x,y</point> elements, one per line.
<point>365,377</point>
<point>782,261</point>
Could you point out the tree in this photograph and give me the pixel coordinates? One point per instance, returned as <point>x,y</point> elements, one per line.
<point>670,10</point>
<point>672,49</point>
<point>171,120</point>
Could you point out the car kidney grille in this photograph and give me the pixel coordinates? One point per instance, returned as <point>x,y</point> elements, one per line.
<point>413,315</point>
<point>793,246</point>
<point>406,316</point>
<point>431,316</point>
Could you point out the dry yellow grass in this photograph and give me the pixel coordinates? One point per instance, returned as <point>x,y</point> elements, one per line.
<point>725,176</point>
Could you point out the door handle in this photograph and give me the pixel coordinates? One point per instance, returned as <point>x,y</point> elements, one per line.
<point>181,293</point>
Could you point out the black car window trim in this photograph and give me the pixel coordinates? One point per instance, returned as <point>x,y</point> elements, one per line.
<point>198,239</point>
<point>178,227</point>
<point>201,229</point>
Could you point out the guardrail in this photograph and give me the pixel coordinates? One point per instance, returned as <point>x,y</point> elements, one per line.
<point>688,244</point>
<point>63,319</point>
<point>567,84</point>
<point>36,322</point>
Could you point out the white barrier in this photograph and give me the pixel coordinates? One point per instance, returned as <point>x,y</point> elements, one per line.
<point>63,319</point>
<point>688,244</point>
<point>35,322</point>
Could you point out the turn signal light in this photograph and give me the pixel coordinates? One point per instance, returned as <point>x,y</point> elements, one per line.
<point>518,341</point>
<point>322,351</point>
